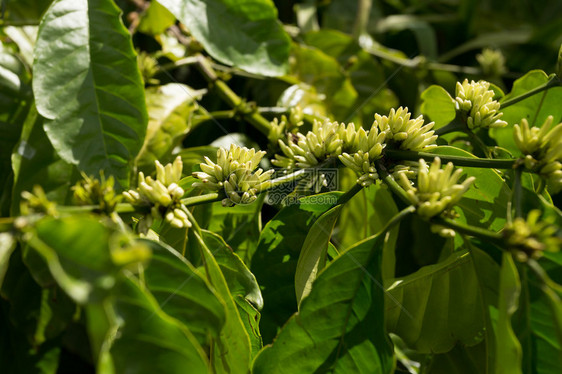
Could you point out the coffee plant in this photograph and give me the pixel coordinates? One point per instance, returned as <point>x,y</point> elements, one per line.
<point>228,186</point>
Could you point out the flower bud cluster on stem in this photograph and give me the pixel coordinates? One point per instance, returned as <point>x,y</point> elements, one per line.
<point>161,195</point>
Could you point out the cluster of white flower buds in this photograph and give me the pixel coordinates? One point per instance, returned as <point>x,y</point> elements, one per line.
<point>492,62</point>
<point>324,141</point>
<point>530,237</point>
<point>437,189</point>
<point>365,148</point>
<point>278,129</point>
<point>406,133</point>
<point>235,173</point>
<point>542,148</point>
<point>162,195</point>
<point>477,101</point>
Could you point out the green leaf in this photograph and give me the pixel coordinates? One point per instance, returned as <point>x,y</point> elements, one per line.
<point>182,292</point>
<point>232,351</point>
<point>169,107</point>
<point>422,30</point>
<point>241,282</point>
<point>438,106</point>
<point>535,108</point>
<point>275,261</point>
<point>508,348</point>
<point>437,306</point>
<point>88,87</point>
<point>312,258</point>
<point>7,246</point>
<point>142,338</point>
<point>76,249</point>
<point>156,19</point>
<point>340,325</point>
<point>249,37</point>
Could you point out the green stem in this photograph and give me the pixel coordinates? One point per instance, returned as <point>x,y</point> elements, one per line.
<point>361,18</point>
<point>499,163</point>
<point>247,112</point>
<point>398,217</point>
<point>477,232</point>
<point>391,183</point>
<point>349,194</point>
<point>554,81</point>
<point>455,125</point>
<point>203,199</point>
<point>182,62</point>
<point>478,143</point>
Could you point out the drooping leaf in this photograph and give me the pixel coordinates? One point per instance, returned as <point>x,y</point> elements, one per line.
<point>169,107</point>
<point>437,306</point>
<point>232,351</point>
<point>183,293</point>
<point>312,258</point>
<point>87,85</point>
<point>438,106</point>
<point>535,108</point>
<point>140,337</point>
<point>76,250</point>
<point>275,260</point>
<point>249,36</point>
<point>339,327</point>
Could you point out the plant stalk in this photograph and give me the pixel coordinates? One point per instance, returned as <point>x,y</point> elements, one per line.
<point>554,81</point>
<point>457,160</point>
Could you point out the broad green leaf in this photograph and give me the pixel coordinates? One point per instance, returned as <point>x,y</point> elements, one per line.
<point>242,285</point>
<point>35,162</point>
<point>438,106</point>
<point>340,325</point>
<point>508,348</point>
<point>275,260</point>
<point>312,258</point>
<point>7,246</point>
<point>232,351</point>
<point>76,250</point>
<point>183,293</point>
<point>437,306</point>
<point>535,108</point>
<point>87,85</point>
<point>422,30</point>
<point>156,19</point>
<point>485,203</point>
<point>241,282</point>
<point>141,337</point>
<point>169,107</point>
<point>249,37</point>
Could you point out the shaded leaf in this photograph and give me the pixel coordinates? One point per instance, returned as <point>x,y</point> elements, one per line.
<point>88,87</point>
<point>249,37</point>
